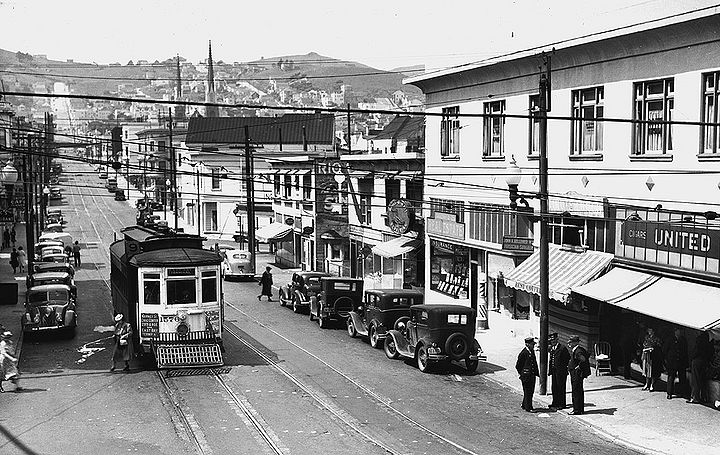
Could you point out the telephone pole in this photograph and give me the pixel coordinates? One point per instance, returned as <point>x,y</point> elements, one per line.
<point>173,170</point>
<point>250,187</point>
<point>544,105</point>
<point>27,189</point>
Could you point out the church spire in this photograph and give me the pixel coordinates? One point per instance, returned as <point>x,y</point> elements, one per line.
<point>211,73</point>
<point>211,111</point>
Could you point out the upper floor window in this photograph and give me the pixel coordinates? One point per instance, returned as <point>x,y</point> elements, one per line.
<point>711,96</point>
<point>276,185</point>
<point>654,104</point>
<point>215,176</point>
<point>494,124</point>
<point>449,206</point>
<point>534,126</point>
<point>450,133</point>
<point>307,187</point>
<point>365,190</point>
<point>287,187</point>
<point>587,125</point>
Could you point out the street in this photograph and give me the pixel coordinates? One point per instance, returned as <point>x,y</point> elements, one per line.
<point>287,385</point>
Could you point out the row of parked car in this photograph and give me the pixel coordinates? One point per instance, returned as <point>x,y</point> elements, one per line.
<point>396,320</point>
<point>111,183</point>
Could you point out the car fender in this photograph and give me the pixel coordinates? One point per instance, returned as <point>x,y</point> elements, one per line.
<point>301,297</point>
<point>313,303</point>
<point>401,343</point>
<point>357,321</point>
<point>379,326</point>
<point>284,292</point>
<point>69,318</point>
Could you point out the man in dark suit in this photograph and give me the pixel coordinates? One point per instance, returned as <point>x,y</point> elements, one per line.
<point>527,368</point>
<point>579,369</point>
<point>558,369</point>
<point>676,362</point>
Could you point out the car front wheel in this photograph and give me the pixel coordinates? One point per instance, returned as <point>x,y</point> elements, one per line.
<point>422,359</point>
<point>471,365</point>
<point>351,328</point>
<point>390,348</point>
<point>295,307</point>
<point>374,339</point>
<point>322,322</point>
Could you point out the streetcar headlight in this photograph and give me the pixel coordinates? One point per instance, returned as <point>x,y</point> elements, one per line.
<point>182,329</point>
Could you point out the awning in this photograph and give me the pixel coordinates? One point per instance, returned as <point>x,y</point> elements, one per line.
<point>359,174</point>
<point>616,285</point>
<point>272,232</point>
<point>568,269</point>
<point>681,302</point>
<point>399,246</point>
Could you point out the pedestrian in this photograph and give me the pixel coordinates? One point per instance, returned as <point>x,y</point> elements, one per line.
<point>651,358</point>
<point>579,369</point>
<point>676,362</point>
<point>22,258</point>
<point>558,369</point>
<point>6,238</point>
<point>266,282</point>
<point>12,235</point>
<point>76,253</point>
<point>14,260</point>
<point>123,343</point>
<point>8,363</point>
<point>527,368</point>
<point>700,357</point>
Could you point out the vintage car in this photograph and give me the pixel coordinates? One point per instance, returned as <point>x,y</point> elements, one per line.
<point>47,243</point>
<point>378,312</point>
<point>53,277</point>
<point>336,299</point>
<point>50,307</point>
<point>55,193</point>
<point>66,267</point>
<point>120,195</point>
<point>54,218</point>
<point>236,263</point>
<point>51,250</point>
<point>301,287</point>
<point>111,184</point>
<point>63,237</point>
<point>435,335</point>
<point>55,257</point>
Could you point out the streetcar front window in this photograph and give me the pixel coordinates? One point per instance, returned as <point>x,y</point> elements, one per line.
<point>151,288</point>
<point>180,292</point>
<point>209,287</point>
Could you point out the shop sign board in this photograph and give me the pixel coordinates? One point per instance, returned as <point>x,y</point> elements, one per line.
<point>577,204</point>
<point>444,224</point>
<point>672,237</point>
<point>517,244</point>
<point>398,214</point>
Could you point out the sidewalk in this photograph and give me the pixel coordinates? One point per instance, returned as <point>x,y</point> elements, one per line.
<point>614,407</point>
<point>10,315</point>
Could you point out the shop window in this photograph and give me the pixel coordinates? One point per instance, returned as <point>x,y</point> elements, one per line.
<point>654,105</point>
<point>448,206</point>
<point>450,133</point>
<point>494,126</point>
<point>587,125</point>
<point>449,269</point>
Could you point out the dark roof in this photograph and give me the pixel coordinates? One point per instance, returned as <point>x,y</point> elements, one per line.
<point>312,274</point>
<point>319,129</point>
<point>49,287</point>
<point>176,257</point>
<point>403,127</point>
<point>342,279</point>
<point>396,292</point>
<point>444,308</point>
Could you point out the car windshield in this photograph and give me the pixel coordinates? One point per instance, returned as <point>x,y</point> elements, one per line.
<point>313,281</point>
<point>457,319</point>
<point>55,295</point>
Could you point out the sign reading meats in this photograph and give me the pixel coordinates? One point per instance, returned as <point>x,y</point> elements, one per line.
<point>674,237</point>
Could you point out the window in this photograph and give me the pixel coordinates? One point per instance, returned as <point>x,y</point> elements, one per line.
<point>287,187</point>
<point>307,187</point>
<point>448,206</point>
<point>392,191</point>
<point>493,138</point>
<point>654,104</point>
<point>211,218</point>
<point>534,126</point>
<point>334,252</point>
<point>711,96</point>
<point>340,286</point>
<point>450,133</point>
<point>215,178</point>
<point>209,286</point>
<point>181,291</point>
<point>151,288</point>
<point>276,185</point>
<point>457,319</point>
<point>414,195</point>
<point>365,188</point>
<point>587,126</point>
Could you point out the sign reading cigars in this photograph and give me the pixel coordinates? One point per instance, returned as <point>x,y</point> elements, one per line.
<point>673,237</point>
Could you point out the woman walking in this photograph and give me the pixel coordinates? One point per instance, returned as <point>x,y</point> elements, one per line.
<point>14,263</point>
<point>22,259</point>
<point>8,363</point>
<point>123,343</point>
<point>651,358</point>
<point>266,282</point>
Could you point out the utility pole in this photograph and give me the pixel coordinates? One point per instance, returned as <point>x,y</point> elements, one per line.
<point>250,187</point>
<point>29,235</point>
<point>544,105</point>
<point>173,170</point>
<point>199,207</point>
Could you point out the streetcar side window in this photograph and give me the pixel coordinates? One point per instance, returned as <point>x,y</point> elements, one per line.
<point>209,287</point>
<point>151,289</point>
<point>181,292</point>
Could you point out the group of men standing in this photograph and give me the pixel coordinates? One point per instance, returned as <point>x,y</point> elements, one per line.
<point>572,360</point>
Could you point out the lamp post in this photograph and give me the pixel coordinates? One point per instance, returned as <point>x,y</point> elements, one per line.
<point>8,177</point>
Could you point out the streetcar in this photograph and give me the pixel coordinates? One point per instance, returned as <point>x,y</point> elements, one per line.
<point>170,290</point>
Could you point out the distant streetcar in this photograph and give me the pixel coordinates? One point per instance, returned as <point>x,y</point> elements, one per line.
<point>170,289</point>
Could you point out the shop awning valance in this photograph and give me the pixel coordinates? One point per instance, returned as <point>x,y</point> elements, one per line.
<point>681,302</point>
<point>398,246</point>
<point>272,232</point>
<point>568,269</point>
<point>616,285</point>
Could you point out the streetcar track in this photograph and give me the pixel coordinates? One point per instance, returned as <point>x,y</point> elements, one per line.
<point>384,402</point>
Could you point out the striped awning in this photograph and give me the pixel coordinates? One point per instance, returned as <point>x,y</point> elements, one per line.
<point>568,269</point>
<point>398,246</point>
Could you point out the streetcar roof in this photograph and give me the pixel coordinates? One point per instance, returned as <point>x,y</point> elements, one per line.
<point>174,257</point>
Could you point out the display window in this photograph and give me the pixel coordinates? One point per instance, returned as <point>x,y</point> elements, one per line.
<point>449,269</point>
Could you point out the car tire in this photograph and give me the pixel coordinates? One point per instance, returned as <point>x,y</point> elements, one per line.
<point>390,349</point>
<point>281,297</point>
<point>422,359</point>
<point>373,335</point>
<point>471,365</point>
<point>322,322</point>
<point>351,328</point>
<point>295,307</point>
<point>457,346</point>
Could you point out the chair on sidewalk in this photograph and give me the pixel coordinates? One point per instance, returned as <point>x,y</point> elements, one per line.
<point>602,358</point>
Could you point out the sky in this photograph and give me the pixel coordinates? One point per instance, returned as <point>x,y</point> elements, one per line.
<point>384,35</point>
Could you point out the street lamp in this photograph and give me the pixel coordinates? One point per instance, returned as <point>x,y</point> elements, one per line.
<point>514,175</point>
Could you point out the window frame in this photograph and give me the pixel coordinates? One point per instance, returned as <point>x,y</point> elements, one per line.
<point>710,93</point>
<point>533,127</point>
<point>578,104</point>
<point>640,132</point>
<point>450,133</point>
<point>215,179</point>
<point>493,117</point>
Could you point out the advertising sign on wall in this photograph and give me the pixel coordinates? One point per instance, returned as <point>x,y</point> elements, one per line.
<point>673,237</point>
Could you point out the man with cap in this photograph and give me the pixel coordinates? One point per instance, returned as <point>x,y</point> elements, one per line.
<point>123,351</point>
<point>558,369</point>
<point>527,368</point>
<point>579,369</point>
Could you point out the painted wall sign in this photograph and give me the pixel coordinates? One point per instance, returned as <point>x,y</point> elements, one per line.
<point>444,224</point>
<point>517,244</point>
<point>674,237</point>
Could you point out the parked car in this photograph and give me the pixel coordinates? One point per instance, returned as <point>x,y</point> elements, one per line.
<point>336,299</point>
<point>50,307</point>
<point>435,335</point>
<point>42,267</point>
<point>111,184</point>
<point>236,263</point>
<point>51,250</point>
<point>54,218</point>
<point>53,277</point>
<point>103,174</point>
<point>55,193</point>
<point>54,227</point>
<point>44,244</point>
<point>120,195</point>
<point>378,312</point>
<point>55,257</point>
<point>63,237</point>
<point>301,287</point>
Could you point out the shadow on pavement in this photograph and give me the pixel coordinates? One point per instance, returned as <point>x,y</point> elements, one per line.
<point>486,367</point>
<point>615,387</point>
<point>16,442</point>
<point>606,411</point>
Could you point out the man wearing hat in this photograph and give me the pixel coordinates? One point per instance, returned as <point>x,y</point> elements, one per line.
<point>579,369</point>
<point>527,368</point>
<point>558,369</point>
<point>123,351</point>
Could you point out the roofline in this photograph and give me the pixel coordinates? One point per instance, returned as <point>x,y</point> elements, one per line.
<point>571,42</point>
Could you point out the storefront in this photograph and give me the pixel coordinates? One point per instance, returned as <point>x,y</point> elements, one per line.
<point>450,269</point>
